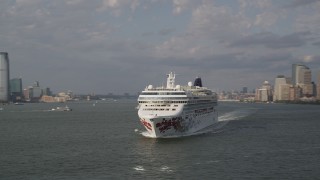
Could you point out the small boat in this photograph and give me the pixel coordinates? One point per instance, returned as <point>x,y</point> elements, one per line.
<point>66,108</point>
<point>18,103</point>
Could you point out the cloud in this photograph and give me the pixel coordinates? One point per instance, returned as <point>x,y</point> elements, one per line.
<point>219,22</point>
<point>298,3</point>
<point>316,43</point>
<point>181,5</point>
<point>27,2</point>
<point>118,6</point>
<point>79,43</point>
<point>166,31</point>
<point>267,19</point>
<point>209,27</point>
<point>311,58</point>
<point>271,40</point>
<point>261,4</point>
<point>145,34</point>
<point>74,2</point>
<point>308,20</point>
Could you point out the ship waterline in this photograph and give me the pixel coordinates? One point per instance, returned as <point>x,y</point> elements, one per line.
<point>174,111</point>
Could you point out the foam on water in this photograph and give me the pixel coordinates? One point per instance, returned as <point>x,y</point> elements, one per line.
<point>148,135</point>
<point>165,169</point>
<point>139,168</point>
<point>231,116</point>
<point>236,115</point>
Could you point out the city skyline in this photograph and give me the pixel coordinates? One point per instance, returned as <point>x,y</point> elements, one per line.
<point>299,87</point>
<point>121,46</point>
<point>238,89</point>
<point>301,76</point>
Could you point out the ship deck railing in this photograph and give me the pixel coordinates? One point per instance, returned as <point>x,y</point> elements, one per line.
<point>181,88</point>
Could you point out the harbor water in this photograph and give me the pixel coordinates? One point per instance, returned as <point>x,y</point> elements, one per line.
<point>102,140</point>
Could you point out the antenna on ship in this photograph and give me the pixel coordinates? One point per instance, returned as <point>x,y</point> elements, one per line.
<point>170,80</point>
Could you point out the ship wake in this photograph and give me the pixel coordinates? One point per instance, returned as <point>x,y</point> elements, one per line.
<point>236,115</point>
<point>224,119</point>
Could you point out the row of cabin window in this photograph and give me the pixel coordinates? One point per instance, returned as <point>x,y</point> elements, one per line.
<point>164,98</point>
<point>163,93</point>
<point>160,105</point>
<point>179,102</point>
<point>169,102</point>
<point>151,109</point>
<point>174,98</point>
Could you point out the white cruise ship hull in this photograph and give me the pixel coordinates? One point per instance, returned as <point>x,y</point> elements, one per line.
<point>175,111</point>
<point>176,126</point>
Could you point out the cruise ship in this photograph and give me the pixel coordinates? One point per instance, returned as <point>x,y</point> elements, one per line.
<point>176,110</point>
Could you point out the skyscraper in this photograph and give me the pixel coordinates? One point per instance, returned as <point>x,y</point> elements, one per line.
<point>301,76</point>
<point>36,92</point>
<point>16,91</point>
<point>318,86</point>
<point>264,94</point>
<point>245,90</point>
<point>4,77</point>
<point>281,88</point>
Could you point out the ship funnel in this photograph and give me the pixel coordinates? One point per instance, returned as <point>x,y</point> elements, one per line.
<point>198,82</point>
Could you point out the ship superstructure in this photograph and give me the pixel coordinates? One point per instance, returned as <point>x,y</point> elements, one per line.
<point>177,110</point>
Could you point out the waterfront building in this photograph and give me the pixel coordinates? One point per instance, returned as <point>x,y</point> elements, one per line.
<point>16,91</point>
<point>318,85</point>
<point>245,90</point>
<point>4,77</point>
<point>281,88</point>
<point>314,89</point>
<point>47,91</point>
<point>47,99</point>
<point>264,94</point>
<point>294,93</point>
<point>26,94</point>
<point>70,94</point>
<point>301,76</point>
<point>36,84</point>
<point>307,90</point>
<point>261,95</point>
<point>298,71</point>
<point>60,97</point>
<point>30,92</point>
<point>36,91</point>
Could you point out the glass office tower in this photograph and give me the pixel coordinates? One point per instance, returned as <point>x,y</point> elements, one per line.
<point>4,77</point>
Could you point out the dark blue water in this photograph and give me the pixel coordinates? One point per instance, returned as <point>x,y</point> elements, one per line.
<point>254,141</point>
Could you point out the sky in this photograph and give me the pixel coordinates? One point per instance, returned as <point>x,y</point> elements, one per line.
<point>118,46</point>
